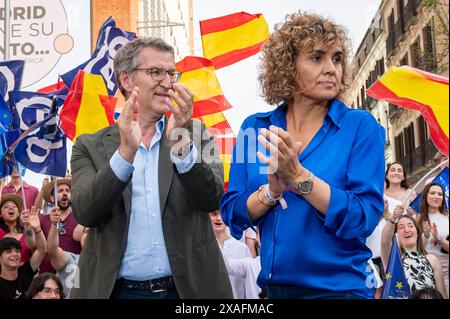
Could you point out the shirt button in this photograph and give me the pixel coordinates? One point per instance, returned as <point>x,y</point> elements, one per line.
<point>156,242</point>
<point>270,275</point>
<point>153,215</point>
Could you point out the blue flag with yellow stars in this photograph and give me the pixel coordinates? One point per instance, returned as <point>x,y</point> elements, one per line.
<point>395,285</point>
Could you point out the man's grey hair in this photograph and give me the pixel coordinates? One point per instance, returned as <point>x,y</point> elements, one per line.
<point>126,59</point>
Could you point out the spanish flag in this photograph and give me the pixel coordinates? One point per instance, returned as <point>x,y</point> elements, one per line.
<point>199,75</point>
<point>232,38</point>
<point>418,90</point>
<point>87,108</point>
<point>216,123</point>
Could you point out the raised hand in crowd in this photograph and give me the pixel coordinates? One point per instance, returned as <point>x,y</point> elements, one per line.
<point>31,217</point>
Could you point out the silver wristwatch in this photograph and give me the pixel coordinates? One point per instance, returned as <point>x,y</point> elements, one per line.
<point>305,187</point>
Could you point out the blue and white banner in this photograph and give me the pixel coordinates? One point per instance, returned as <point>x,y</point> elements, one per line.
<point>11,72</point>
<point>42,144</point>
<point>110,40</point>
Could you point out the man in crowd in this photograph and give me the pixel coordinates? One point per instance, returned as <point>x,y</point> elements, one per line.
<point>15,187</point>
<point>145,191</point>
<point>67,222</point>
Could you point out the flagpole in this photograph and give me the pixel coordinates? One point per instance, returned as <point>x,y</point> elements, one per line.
<point>23,192</point>
<point>7,31</point>
<point>55,192</point>
<point>405,200</point>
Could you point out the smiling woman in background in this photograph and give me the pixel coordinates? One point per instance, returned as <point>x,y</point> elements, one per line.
<point>316,187</point>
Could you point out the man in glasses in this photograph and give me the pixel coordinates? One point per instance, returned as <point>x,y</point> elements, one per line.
<point>67,222</point>
<point>145,191</point>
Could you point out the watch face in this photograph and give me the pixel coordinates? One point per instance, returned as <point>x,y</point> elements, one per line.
<point>305,187</point>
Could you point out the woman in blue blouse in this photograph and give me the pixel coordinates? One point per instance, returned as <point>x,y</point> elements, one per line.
<point>310,173</point>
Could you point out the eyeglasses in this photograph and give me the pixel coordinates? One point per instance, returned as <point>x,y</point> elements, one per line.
<point>62,228</point>
<point>48,291</point>
<point>160,74</point>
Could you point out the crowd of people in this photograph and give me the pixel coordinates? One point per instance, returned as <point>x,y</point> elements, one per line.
<point>310,209</point>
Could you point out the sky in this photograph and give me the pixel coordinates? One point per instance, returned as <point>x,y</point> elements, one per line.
<point>239,81</point>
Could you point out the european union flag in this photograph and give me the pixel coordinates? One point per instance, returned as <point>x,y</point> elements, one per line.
<point>5,116</point>
<point>442,179</point>
<point>110,40</point>
<point>395,285</point>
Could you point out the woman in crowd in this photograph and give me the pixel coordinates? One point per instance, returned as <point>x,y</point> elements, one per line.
<point>11,226</point>
<point>397,188</point>
<point>310,188</point>
<point>422,270</point>
<point>435,225</point>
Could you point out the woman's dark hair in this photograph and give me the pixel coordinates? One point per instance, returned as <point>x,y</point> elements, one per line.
<point>38,284</point>
<point>423,214</point>
<point>427,293</point>
<point>419,244</point>
<point>404,183</point>
<point>5,227</point>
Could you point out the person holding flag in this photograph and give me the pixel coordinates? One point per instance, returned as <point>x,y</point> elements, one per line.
<point>422,270</point>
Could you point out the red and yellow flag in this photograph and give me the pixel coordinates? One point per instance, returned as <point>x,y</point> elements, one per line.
<point>87,108</point>
<point>418,90</point>
<point>199,75</point>
<point>234,37</point>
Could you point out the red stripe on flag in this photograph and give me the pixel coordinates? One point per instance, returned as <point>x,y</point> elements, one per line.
<point>381,92</point>
<point>71,106</point>
<point>236,55</point>
<point>225,144</point>
<point>220,128</point>
<point>225,187</point>
<point>212,105</point>
<point>52,88</point>
<point>430,76</point>
<point>191,63</point>
<point>226,22</point>
<point>109,104</point>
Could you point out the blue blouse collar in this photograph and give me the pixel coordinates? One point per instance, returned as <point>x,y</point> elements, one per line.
<point>335,113</point>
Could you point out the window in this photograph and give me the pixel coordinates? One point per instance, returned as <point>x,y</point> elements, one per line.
<point>429,48</point>
<point>399,147</point>
<point>391,22</point>
<point>415,54</point>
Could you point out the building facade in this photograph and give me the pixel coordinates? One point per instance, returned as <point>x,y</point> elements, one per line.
<point>410,34</point>
<point>170,20</point>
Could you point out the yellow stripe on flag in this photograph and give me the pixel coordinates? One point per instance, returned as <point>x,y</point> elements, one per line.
<point>202,82</point>
<point>246,35</point>
<point>91,115</point>
<point>412,85</point>
<point>226,160</point>
<point>213,119</point>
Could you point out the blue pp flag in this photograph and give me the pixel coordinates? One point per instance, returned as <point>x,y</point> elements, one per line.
<point>110,40</point>
<point>442,179</point>
<point>10,77</point>
<point>29,108</point>
<point>395,284</point>
<point>41,146</point>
